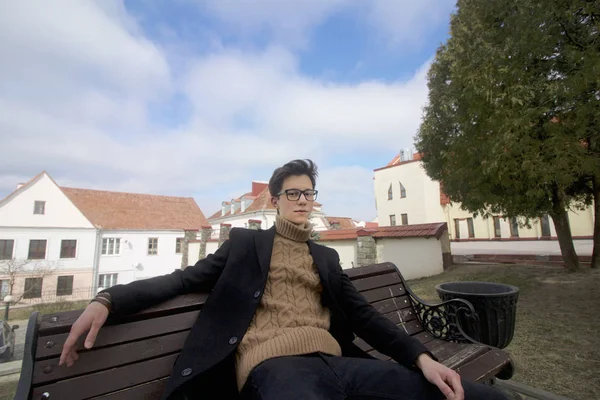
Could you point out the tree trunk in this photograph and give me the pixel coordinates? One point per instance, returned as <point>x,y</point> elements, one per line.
<point>596,251</point>
<point>563,231</point>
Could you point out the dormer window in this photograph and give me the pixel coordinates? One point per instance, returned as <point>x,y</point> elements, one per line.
<point>39,207</point>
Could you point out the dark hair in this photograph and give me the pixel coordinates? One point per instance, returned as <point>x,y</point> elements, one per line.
<point>293,168</point>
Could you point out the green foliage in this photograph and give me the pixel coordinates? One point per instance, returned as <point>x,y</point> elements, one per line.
<point>512,124</point>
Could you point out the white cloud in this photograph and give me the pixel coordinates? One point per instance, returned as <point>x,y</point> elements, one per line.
<point>408,22</point>
<point>77,78</point>
<point>287,22</point>
<point>291,22</point>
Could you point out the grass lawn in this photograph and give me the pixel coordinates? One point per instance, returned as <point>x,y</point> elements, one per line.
<point>556,346</point>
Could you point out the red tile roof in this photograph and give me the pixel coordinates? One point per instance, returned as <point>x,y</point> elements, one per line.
<point>396,161</point>
<point>369,225</point>
<point>115,210</point>
<point>338,234</point>
<point>343,222</point>
<point>419,230</point>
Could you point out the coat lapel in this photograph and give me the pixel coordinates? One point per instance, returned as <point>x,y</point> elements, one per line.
<point>264,248</point>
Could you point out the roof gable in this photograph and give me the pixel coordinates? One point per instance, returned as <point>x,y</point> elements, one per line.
<point>17,209</point>
<point>115,210</point>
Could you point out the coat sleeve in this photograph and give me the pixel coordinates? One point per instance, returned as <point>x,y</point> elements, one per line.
<point>374,328</point>
<point>139,295</point>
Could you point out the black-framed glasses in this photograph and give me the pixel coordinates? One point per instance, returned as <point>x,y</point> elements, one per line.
<point>294,194</point>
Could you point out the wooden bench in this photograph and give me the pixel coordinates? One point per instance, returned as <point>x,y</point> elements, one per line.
<point>133,356</point>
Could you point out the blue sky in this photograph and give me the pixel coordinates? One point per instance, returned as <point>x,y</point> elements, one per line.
<point>199,98</point>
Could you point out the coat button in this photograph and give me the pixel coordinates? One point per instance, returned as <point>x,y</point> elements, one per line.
<point>233,340</point>
<point>186,372</point>
<point>257,294</point>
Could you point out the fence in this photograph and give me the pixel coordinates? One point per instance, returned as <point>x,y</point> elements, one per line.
<point>51,296</point>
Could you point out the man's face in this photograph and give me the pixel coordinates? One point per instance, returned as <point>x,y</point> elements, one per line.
<point>290,206</point>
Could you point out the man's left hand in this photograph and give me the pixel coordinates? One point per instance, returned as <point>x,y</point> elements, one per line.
<point>447,380</point>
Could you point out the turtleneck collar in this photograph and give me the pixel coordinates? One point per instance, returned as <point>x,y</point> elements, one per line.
<point>291,231</point>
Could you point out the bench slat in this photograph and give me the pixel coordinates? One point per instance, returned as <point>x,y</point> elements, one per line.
<point>114,334</point>
<point>393,304</point>
<point>371,270</point>
<point>378,281</point>
<point>384,293</point>
<point>425,337</point>
<point>108,381</point>
<point>61,322</point>
<point>147,391</point>
<point>110,357</point>
<point>468,353</point>
<point>485,366</point>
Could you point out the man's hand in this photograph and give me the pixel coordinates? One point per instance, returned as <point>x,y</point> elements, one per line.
<point>447,380</point>
<point>90,320</point>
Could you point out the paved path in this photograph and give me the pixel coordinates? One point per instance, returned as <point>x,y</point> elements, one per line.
<point>19,338</point>
<point>538,247</point>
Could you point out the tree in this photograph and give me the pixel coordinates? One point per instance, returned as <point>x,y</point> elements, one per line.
<point>511,126</point>
<point>24,268</point>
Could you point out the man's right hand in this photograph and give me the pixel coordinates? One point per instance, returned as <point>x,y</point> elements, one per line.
<point>92,319</point>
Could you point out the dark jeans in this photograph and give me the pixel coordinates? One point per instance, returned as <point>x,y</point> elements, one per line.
<point>318,376</point>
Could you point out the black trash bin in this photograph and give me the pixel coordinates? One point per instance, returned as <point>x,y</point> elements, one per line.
<point>495,304</point>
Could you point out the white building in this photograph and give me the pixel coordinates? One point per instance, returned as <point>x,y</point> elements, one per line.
<point>405,194</point>
<point>256,206</point>
<point>91,238</point>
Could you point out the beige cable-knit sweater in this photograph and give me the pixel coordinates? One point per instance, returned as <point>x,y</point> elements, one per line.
<point>290,319</point>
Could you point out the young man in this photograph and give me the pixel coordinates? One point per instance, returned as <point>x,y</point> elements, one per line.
<point>281,319</point>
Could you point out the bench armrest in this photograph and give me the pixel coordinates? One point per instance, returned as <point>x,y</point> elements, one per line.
<point>445,320</point>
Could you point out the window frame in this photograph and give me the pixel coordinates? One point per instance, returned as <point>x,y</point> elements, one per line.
<point>456,228</point>
<point>497,228</point>
<point>113,278</point>
<point>404,218</point>
<point>62,248</point>
<point>152,246</point>
<point>41,210</point>
<point>393,220</point>
<point>391,192</point>
<point>69,289</point>
<point>116,245</point>
<point>45,249</point>
<point>28,293</point>
<point>179,245</point>
<point>3,247</point>
<point>514,227</point>
<point>402,191</point>
<point>471,228</point>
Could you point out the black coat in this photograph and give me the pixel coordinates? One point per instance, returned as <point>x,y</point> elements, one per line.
<point>237,273</point>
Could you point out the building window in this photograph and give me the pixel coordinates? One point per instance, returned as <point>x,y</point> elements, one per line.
<point>402,191</point>
<point>152,246</point>
<point>497,231</point>
<point>514,227</point>
<point>471,227</point>
<point>37,250</point>
<point>39,207</point>
<point>178,245</point>
<point>33,288</point>
<point>68,248</point>
<point>4,288</point>
<point>392,220</point>
<point>390,193</point>
<point>64,285</point>
<point>404,219</point>
<point>545,221</point>
<point>111,246</point>
<point>107,280</point>
<point>456,228</point>
<point>6,249</point>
